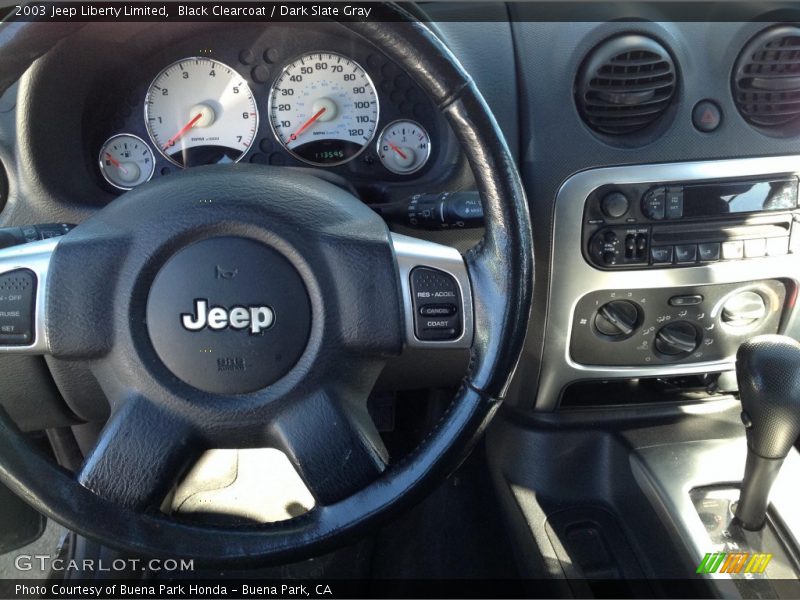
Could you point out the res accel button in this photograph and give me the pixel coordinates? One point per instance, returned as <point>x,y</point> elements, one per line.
<point>437,301</point>
<point>17,293</point>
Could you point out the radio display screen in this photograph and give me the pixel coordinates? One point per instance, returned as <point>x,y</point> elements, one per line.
<point>742,197</point>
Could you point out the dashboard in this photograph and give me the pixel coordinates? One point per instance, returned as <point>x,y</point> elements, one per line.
<point>660,156</point>
<point>170,98</point>
<point>534,71</point>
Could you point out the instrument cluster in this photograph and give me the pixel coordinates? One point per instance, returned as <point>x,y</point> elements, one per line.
<point>342,107</point>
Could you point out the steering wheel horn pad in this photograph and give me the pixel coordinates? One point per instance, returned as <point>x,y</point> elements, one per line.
<point>124,292</point>
<point>244,320</point>
<point>239,317</point>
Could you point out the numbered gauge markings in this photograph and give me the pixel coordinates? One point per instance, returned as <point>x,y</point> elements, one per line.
<point>199,111</point>
<point>323,108</point>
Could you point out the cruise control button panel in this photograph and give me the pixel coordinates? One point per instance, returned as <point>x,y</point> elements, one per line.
<point>437,305</point>
<point>17,295</point>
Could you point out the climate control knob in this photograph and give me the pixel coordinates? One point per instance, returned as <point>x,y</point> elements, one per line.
<point>744,310</point>
<point>677,339</point>
<point>618,319</point>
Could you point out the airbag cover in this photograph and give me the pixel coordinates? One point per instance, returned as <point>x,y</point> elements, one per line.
<point>228,315</point>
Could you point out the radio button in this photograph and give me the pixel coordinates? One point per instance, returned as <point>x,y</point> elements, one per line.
<point>755,248</point>
<point>686,253</point>
<point>674,203</point>
<point>732,250</point>
<point>708,252</point>
<point>777,246</point>
<point>654,203</point>
<point>610,258</point>
<point>614,205</point>
<point>661,254</point>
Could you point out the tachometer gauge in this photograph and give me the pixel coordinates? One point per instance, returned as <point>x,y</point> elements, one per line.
<point>404,147</point>
<point>323,108</point>
<point>199,111</point>
<point>126,161</point>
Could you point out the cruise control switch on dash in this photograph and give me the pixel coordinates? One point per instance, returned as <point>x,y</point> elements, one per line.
<point>437,302</point>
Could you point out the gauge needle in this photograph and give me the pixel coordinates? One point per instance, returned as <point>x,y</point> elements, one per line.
<point>116,163</point>
<point>396,149</point>
<point>184,129</point>
<point>307,124</point>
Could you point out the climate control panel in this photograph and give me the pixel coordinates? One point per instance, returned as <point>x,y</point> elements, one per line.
<point>667,325</point>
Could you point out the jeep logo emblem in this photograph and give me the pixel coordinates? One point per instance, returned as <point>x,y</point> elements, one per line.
<point>217,318</point>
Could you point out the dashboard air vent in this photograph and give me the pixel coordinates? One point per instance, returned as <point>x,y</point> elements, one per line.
<point>766,79</point>
<point>625,84</point>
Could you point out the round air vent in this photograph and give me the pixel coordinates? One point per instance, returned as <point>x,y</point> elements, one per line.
<point>625,84</point>
<point>766,80</point>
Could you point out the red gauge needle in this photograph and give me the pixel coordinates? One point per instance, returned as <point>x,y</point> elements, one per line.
<point>307,124</point>
<point>184,129</point>
<point>396,149</point>
<point>116,163</point>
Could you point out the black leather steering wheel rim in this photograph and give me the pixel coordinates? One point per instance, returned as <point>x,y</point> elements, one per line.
<point>501,272</point>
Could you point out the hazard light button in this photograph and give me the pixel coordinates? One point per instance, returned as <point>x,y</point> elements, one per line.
<point>706,116</point>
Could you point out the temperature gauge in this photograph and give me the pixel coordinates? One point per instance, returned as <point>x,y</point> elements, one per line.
<point>404,147</point>
<point>126,161</point>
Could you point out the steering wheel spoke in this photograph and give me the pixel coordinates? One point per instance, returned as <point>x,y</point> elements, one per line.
<point>332,442</point>
<point>139,455</point>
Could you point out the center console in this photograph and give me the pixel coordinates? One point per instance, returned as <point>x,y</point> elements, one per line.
<point>660,275</point>
<point>664,270</point>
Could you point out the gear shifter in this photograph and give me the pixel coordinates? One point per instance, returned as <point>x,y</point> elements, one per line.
<point>768,371</point>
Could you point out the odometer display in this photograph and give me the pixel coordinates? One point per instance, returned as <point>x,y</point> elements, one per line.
<point>323,108</point>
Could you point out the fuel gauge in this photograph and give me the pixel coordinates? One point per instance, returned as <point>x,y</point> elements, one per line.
<point>404,147</point>
<point>126,161</point>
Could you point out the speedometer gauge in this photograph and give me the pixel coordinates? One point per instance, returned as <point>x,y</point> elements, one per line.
<point>199,111</point>
<point>323,108</point>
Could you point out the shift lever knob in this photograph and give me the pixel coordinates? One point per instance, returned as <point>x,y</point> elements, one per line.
<point>768,372</point>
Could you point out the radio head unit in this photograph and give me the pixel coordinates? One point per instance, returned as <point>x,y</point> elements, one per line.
<point>645,225</point>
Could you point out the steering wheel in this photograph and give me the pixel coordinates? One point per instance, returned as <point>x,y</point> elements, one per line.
<point>303,292</point>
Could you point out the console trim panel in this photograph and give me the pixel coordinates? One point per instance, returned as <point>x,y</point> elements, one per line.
<point>667,474</point>
<point>573,277</point>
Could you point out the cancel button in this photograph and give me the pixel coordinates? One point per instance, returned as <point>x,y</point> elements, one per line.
<point>438,310</point>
